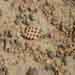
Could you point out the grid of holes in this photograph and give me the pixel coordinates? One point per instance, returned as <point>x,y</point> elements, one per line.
<point>32,32</point>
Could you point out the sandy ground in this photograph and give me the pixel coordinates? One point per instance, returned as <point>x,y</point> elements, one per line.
<point>37,37</point>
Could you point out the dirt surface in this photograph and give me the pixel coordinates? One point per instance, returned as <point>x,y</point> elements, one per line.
<point>37,37</point>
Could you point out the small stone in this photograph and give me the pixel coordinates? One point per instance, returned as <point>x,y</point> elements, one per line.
<point>49,61</point>
<point>32,71</point>
<point>3,70</point>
